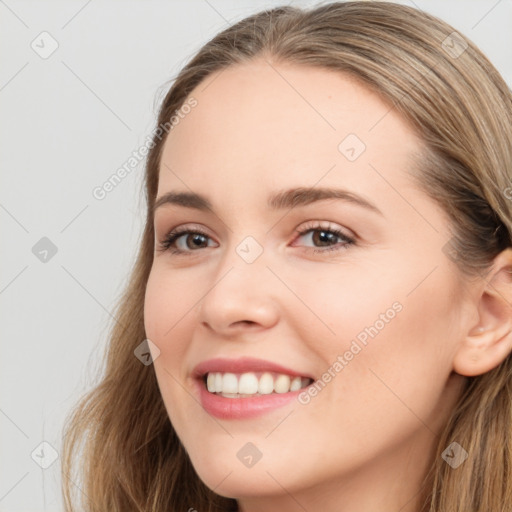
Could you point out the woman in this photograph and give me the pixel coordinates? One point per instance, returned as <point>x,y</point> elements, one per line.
<point>323,285</point>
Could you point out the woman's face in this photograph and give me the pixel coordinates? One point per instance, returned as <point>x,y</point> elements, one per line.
<point>364,301</point>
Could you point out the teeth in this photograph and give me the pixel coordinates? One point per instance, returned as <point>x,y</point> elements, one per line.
<point>282,384</point>
<point>248,384</point>
<point>210,382</point>
<point>233,385</point>
<point>266,384</point>
<point>229,383</point>
<point>296,384</point>
<point>218,381</point>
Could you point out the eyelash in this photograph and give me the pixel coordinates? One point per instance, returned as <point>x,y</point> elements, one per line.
<point>167,244</point>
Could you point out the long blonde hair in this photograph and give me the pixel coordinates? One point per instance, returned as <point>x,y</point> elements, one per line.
<point>119,436</point>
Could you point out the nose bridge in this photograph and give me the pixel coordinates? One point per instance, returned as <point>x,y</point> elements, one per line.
<point>240,291</point>
<point>242,266</point>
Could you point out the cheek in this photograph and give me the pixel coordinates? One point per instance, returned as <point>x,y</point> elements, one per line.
<point>167,309</point>
<point>166,305</point>
<point>391,349</point>
<point>397,314</point>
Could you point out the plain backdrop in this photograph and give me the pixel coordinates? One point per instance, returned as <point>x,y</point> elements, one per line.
<point>69,120</point>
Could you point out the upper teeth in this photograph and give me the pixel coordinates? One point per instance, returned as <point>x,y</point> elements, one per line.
<point>252,383</point>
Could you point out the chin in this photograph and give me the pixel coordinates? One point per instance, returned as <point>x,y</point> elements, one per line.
<point>236,481</point>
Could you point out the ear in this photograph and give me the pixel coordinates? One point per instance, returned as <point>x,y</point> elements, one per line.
<point>489,342</point>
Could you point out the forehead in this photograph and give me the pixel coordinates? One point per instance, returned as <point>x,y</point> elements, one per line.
<point>265,125</point>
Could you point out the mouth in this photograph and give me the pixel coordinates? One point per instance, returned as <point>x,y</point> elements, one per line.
<point>243,388</point>
<point>253,384</point>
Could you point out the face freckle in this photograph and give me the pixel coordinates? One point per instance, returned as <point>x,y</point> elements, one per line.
<point>357,319</point>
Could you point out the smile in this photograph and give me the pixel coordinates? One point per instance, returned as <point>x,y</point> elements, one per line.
<point>250,384</point>
<point>236,389</point>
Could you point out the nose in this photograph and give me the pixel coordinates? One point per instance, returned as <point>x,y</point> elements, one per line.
<point>241,298</point>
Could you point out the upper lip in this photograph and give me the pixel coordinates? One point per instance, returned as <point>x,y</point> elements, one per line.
<point>243,365</point>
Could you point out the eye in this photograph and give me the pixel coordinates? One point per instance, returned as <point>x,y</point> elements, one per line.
<point>183,240</point>
<point>327,236</point>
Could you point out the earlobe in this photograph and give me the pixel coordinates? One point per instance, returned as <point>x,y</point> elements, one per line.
<point>488,343</point>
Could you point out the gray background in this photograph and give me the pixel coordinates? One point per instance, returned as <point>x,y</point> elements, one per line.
<point>68,122</point>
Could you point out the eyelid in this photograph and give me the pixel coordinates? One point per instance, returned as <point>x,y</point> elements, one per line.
<point>327,225</point>
<point>182,228</point>
<point>305,226</point>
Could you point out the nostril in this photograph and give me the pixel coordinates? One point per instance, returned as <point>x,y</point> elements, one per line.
<point>243,323</point>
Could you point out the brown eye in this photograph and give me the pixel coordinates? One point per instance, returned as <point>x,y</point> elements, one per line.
<point>193,240</point>
<point>326,238</point>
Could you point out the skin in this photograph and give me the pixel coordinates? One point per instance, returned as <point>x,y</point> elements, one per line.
<point>365,441</point>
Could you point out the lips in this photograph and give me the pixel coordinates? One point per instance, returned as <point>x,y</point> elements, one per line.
<point>234,406</point>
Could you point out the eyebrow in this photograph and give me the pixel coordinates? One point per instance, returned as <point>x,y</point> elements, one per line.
<point>280,200</point>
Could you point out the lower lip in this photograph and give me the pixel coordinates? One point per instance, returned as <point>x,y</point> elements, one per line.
<point>241,408</point>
